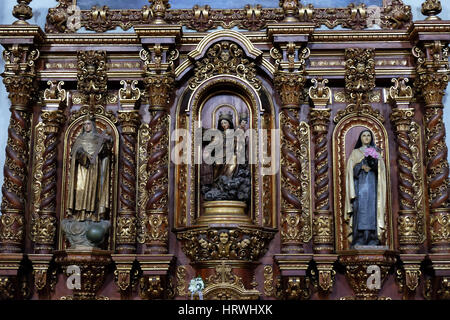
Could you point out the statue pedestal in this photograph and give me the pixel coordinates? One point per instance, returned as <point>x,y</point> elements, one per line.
<point>294,281</point>
<point>224,212</point>
<point>408,276</point>
<point>44,274</point>
<point>154,281</point>
<point>366,271</point>
<point>92,265</point>
<point>440,285</point>
<point>9,276</point>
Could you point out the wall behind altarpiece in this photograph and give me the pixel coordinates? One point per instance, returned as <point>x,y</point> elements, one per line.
<point>337,186</point>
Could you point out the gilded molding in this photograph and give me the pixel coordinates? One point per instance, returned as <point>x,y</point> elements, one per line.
<point>225,57</point>
<point>181,281</point>
<point>242,243</point>
<point>225,285</point>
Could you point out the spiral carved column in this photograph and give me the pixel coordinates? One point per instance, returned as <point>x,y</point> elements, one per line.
<point>129,119</point>
<point>18,79</point>
<point>289,86</point>
<point>402,118</point>
<point>433,79</point>
<point>320,118</point>
<point>46,221</point>
<point>159,88</point>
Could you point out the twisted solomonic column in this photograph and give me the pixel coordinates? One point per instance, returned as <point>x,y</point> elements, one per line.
<point>159,87</point>
<point>432,73</point>
<point>289,86</point>
<point>320,118</point>
<point>129,120</point>
<point>18,79</point>
<point>44,221</point>
<point>402,118</point>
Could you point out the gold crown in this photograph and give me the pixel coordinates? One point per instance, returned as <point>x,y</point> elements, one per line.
<point>243,116</point>
<point>226,116</point>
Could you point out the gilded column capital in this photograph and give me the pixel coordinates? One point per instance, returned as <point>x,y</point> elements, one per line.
<point>19,73</point>
<point>159,87</point>
<point>401,118</point>
<point>290,86</point>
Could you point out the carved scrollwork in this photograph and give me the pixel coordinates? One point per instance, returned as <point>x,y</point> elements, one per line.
<point>181,281</point>
<point>225,58</point>
<point>408,279</point>
<point>216,244</point>
<point>359,72</point>
<point>225,285</point>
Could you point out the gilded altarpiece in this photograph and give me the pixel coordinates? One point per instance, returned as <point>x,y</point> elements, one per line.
<point>279,224</point>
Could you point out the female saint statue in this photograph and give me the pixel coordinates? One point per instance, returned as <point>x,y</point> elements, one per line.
<point>89,184</point>
<point>365,197</point>
<point>231,176</point>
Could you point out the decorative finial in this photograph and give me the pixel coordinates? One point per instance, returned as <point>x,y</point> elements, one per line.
<point>400,91</point>
<point>129,90</point>
<point>22,11</point>
<point>159,8</point>
<point>290,8</point>
<point>55,92</point>
<point>431,8</point>
<point>320,93</point>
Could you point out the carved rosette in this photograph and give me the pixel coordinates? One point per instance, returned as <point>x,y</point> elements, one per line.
<point>159,88</point>
<point>242,243</point>
<point>129,120</point>
<point>432,80</point>
<point>19,82</point>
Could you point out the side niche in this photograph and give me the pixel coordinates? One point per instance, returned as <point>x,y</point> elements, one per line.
<point>352,193</point>
<point>97,174</point>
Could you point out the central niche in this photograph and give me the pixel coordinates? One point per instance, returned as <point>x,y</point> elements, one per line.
<point>226,169</point>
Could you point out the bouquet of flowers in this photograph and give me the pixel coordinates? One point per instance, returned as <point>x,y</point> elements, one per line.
<point>371,156</point>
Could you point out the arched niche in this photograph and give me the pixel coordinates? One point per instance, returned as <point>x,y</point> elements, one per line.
<point>103,124</point>
<point>222,91</point>
<point>345,135</point>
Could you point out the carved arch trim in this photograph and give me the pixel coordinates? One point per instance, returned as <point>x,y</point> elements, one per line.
<point>218,36</point>
<point>339,164</point>
<point>187,112</point>
<point>69,137</point>
<point>250,50</point>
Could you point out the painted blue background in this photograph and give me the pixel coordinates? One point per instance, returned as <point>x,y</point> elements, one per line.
<point>40,8</point>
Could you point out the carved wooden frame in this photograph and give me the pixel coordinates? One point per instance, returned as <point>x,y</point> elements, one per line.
<point>339,164</point>
<point>70,135</point>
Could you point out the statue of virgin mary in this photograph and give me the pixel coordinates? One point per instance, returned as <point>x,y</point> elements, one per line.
<point>365,197</point>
